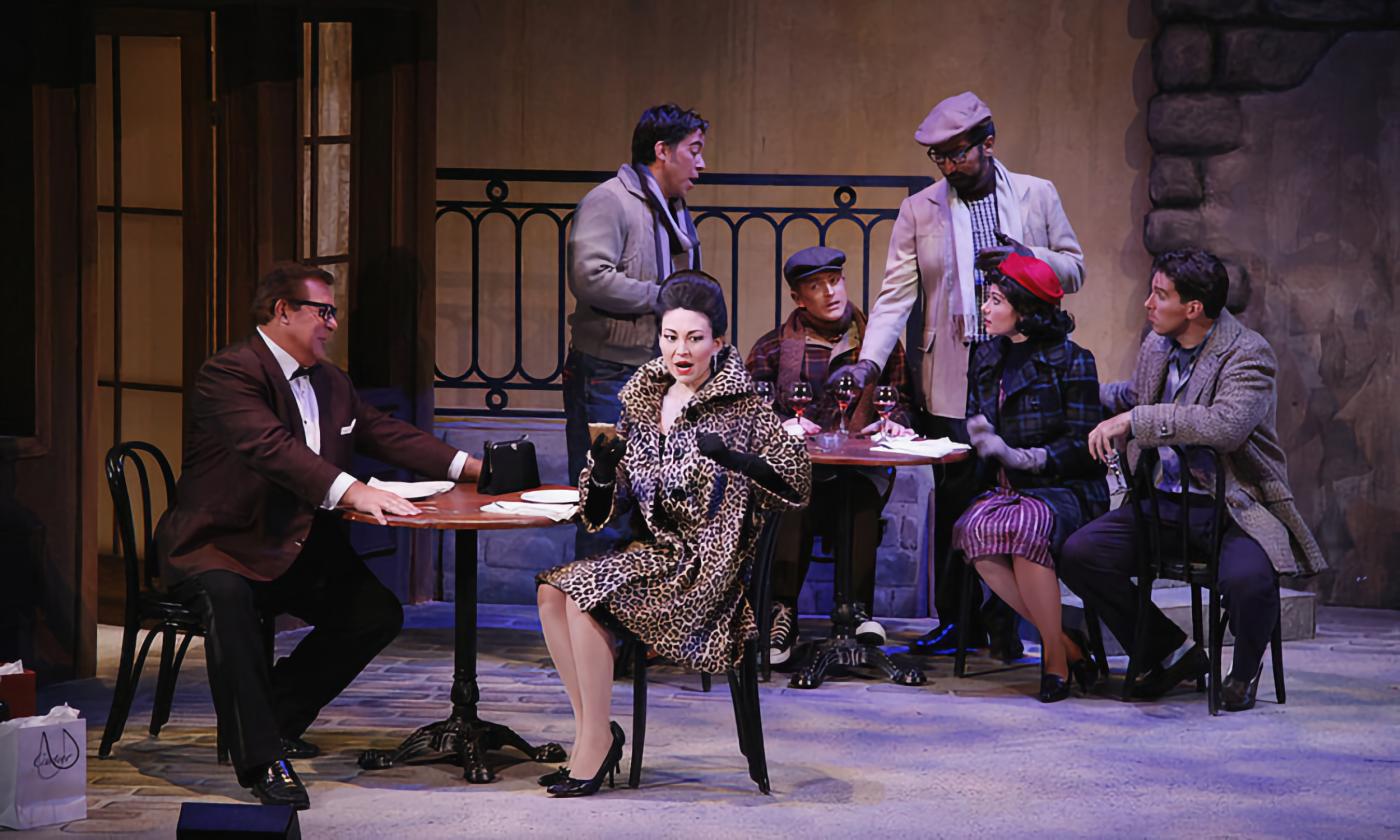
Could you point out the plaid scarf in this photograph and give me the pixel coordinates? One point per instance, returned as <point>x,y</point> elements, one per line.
<point>792,365</point>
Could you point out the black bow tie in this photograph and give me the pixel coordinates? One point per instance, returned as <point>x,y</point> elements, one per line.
<point>300,371</point>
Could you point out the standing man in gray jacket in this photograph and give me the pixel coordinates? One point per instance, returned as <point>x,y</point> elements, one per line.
<point>1202,379</point>
<point>629,234</point>
<point>943,241</point>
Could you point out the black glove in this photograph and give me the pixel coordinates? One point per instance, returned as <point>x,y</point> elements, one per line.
<point>988,259</point>
<point>712,446</point>
<point>863,372</point>
<point>606,456</point>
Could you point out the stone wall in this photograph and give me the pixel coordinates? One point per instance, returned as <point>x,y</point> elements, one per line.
<point>1276,142</point>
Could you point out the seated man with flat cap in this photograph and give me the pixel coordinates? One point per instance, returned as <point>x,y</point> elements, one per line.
<point>824,332</point>
<point>254,532</point>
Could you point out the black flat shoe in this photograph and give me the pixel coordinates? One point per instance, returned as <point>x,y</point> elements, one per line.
<point>1238,695</point>
<point>571,787</point>
<point>943,641</point>
<point>279,785</point>
<point>554,778</point>
<point>299,748</point>
<point>1053,689</point>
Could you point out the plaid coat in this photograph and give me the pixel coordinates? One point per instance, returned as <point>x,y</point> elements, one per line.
<point>764,362</point>
<point>1051,401</point>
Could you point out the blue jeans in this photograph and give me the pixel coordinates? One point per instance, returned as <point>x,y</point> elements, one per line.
<point>591,386</point>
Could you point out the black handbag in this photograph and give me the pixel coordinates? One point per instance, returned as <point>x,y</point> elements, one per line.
<point>508,466</point>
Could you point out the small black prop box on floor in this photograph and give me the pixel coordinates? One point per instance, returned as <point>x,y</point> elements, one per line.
<point>218,821</point>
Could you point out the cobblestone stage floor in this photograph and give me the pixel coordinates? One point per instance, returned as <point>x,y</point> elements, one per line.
<point>857,757</point>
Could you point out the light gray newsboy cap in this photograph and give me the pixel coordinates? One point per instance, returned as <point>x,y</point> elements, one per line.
<point>952,117</point>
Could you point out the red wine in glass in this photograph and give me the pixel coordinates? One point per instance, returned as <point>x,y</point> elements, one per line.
<point>885,401</point>
<point>845,394</point>
<point>800,398</point>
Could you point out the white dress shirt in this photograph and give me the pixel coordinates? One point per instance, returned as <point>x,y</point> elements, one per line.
<point>310,412</point>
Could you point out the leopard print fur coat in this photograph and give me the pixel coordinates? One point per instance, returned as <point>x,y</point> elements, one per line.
<point>680,588</point>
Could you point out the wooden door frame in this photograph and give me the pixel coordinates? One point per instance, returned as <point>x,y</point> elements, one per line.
<point>196,145</point>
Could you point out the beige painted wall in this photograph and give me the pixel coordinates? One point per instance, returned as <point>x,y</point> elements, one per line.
<point>796,87</point>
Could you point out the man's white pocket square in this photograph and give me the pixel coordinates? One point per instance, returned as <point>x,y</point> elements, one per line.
<point>345,430</point>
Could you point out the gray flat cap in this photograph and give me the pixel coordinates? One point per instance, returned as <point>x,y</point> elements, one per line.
<point>952,117</point>
<point>811,261</point>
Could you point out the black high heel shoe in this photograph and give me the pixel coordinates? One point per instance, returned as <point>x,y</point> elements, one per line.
<point>1083,670</point>
<point>1053,688</point>
<point>562,772</point>
<point>571,787</point>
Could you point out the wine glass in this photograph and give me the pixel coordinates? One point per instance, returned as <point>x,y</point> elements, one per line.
<point>885,401</point>
<point>846,392</point>
<point>799,398</point>
<point>764,389</point>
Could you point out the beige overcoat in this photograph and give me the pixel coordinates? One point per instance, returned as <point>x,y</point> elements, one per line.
<point>929,250</point>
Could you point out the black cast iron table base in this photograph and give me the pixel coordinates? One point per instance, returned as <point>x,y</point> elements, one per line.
<point>463,739</point>
<point>844,651</point>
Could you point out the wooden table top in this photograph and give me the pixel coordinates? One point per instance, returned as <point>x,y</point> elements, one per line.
<point>461,508</point>
<point>857,452</point>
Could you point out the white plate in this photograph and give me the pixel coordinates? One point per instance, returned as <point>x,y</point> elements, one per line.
<point>551,497</point>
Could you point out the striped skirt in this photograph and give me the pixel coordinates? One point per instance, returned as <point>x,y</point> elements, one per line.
<point>1002,521</point>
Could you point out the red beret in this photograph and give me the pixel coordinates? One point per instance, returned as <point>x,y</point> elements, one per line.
<point>1033,275</point>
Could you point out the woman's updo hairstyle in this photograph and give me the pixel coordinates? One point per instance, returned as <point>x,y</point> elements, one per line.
<point>697,291</point>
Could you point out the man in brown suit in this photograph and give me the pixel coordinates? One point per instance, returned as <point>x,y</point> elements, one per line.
<point>1202,379</point>
<point>266,462</point>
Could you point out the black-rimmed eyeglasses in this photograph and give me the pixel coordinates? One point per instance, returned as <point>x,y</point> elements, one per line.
<point>325,310</point>
<point>955,158</point>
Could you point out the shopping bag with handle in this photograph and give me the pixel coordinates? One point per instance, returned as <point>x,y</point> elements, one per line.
<point>43,769</point>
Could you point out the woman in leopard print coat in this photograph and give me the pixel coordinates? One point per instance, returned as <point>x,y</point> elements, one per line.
<point>704,456</point>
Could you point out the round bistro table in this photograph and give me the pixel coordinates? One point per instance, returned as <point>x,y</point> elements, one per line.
<point>842,648</point>
<point>463,737</point>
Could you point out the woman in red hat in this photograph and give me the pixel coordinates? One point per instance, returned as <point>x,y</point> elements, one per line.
<point>1033,398</point>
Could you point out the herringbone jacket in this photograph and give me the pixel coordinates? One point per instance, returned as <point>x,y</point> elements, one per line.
<point>1230,404</point>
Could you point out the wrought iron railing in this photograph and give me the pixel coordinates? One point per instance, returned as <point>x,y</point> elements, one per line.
<point>498,378</point>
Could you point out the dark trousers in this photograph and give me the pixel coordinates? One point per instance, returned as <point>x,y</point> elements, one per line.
<point>954,488</point>
<point>1098,560</point>
<point>353,617</point>
<point>591,386</point>
<point>797,530</point>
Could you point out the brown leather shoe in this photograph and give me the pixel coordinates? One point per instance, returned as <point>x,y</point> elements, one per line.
<point>1238,695</point>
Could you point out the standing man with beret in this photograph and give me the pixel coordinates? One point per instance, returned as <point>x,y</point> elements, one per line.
<point>943,241</point>
<point>824,332</point>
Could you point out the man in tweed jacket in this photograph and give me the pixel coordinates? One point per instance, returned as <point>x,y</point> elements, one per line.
<point>1202,379</point>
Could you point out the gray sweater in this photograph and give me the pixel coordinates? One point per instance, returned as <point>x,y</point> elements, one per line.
<point>615,246</point>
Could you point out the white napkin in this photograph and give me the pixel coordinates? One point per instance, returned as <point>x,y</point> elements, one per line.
<point>16,667</point>
<point>413,489</point>
<point>58,714</point>
<point>558,513</point>
<point>936,448</point>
